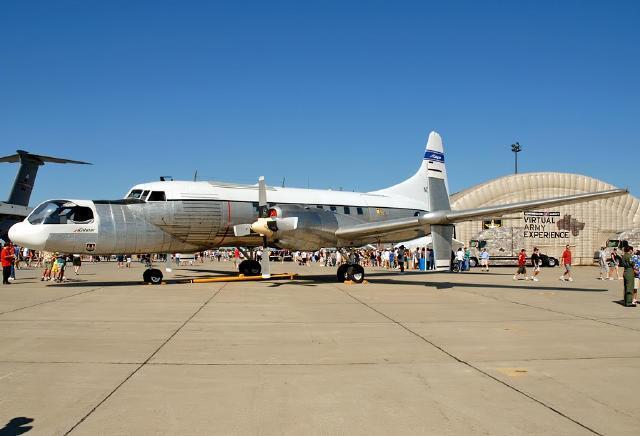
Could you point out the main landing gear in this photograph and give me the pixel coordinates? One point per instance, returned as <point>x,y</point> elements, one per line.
<point>152,275</point>
<point>353,272</point>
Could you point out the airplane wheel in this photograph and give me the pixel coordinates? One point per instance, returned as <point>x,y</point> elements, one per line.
<point>355,273</point>
<point>250,267</point>
<point>153,276</point>
<point>342,273</point>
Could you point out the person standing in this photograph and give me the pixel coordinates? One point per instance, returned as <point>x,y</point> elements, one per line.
<point>536,262</point>
<point>604,265</point>
<point>401,255</point>
<point>628,276</point>
<point>460,259</point>
<point>522,265</point>
<point>47,260</point>
<point>636,271</point>
<point>6,257</point>
<point>432,259</point>
<point>467,258</point>
<point>484,260</point>
<point>566,261</point>
<point>614,264</point>
<point>77,263</point>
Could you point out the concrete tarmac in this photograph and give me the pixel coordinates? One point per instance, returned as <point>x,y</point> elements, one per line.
<point>419,353</point>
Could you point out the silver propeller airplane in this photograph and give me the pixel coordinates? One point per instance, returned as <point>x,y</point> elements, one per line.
<point>185,217</point>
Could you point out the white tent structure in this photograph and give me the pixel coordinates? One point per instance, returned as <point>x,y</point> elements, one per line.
<point>426,241</point>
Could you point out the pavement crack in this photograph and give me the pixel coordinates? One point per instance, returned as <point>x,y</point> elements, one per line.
<point>470,365</point>
<point>143,364</point>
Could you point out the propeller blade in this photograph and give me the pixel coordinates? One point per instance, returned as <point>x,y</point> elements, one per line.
<point>242,230</point>
<point>262,199</point>
<point>265,264</point>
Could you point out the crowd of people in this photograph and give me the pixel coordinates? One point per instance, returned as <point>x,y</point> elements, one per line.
<point>54,265</point>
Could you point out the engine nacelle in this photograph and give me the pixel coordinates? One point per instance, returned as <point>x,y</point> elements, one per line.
<point>315,228</point>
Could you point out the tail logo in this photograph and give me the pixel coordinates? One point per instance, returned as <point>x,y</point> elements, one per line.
<point>434,156</point>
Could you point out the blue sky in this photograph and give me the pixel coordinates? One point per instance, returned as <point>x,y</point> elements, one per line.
<point>325,94</point>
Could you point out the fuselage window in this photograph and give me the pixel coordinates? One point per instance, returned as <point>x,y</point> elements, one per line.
<point>333,208</point>
<point>136,193</point>
<point>347,210</point>
<point>359,210</point>
<point>157,196</point>
<point>320,206</point>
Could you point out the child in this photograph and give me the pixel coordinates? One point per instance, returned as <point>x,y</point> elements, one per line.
<point>61,261</point>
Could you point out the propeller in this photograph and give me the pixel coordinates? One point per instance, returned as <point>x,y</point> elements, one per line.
<point>263,212</point>
<point>266,225</point>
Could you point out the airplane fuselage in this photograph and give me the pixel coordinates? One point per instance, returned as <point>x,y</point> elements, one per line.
<point>174,216</point>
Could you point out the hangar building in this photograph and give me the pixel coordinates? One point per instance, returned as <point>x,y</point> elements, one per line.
<point>586,227</point>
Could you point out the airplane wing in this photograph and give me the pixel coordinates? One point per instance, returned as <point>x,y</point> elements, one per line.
<point>455,216</point>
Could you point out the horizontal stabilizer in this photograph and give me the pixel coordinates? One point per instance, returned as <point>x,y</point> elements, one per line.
<point>456,216</point>
<point>443,217</point>
<point>21,154</point>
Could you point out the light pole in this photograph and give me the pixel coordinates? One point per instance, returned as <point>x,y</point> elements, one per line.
<point>516,148</point>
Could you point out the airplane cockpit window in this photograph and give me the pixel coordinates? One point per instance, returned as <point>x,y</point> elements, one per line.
<point>136,193</point>
<point>61,212</point>
<point>144,194</point>
<point>157,196</point>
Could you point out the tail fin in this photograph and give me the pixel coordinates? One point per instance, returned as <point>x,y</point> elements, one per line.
<point>430,187</point>
<point>26,177</point>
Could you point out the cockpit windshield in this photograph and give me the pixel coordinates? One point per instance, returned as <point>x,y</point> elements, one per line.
<point>61,212</point>
<point>136,194</point>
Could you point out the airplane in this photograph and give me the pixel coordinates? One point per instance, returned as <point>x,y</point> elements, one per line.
<point>181,216</point>
<point>16,208</point>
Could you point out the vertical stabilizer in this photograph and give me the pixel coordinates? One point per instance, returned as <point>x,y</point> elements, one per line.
<point>438,192</point>
<point>26,176</point>
<point>430,187</point>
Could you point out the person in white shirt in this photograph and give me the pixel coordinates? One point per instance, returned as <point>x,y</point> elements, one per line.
<point>460,259</point>
<point>484,260</point>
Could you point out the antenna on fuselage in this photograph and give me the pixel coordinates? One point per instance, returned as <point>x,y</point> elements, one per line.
<point>195,176</point>
<point>166,179</point>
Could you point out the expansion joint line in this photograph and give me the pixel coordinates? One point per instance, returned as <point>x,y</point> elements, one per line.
<point>470,365</point>
<point>151,356</point>
<point>51,301</point>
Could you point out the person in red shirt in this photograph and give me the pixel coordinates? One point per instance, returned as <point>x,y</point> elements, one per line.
<point>6,257</point>
<point>566,261</point>
<point>522,265</point>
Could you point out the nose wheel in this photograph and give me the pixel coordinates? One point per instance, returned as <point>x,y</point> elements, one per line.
<point>153,276</point>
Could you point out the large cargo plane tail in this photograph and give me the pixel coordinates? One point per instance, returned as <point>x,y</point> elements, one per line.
<point>26,176</point>
<point>431,188</point>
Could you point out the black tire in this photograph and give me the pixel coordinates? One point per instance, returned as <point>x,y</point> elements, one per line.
<point>473,262</point>
<point>551,262</point>
<point>250,267</point>
<point>342,273</point>
<point>355,273</point>
<point>153,276</point>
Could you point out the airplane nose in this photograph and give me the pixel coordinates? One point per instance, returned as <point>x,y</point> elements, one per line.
<point>27,235</point>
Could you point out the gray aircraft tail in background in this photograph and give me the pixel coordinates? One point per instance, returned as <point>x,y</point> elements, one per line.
<point>16,208</point>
